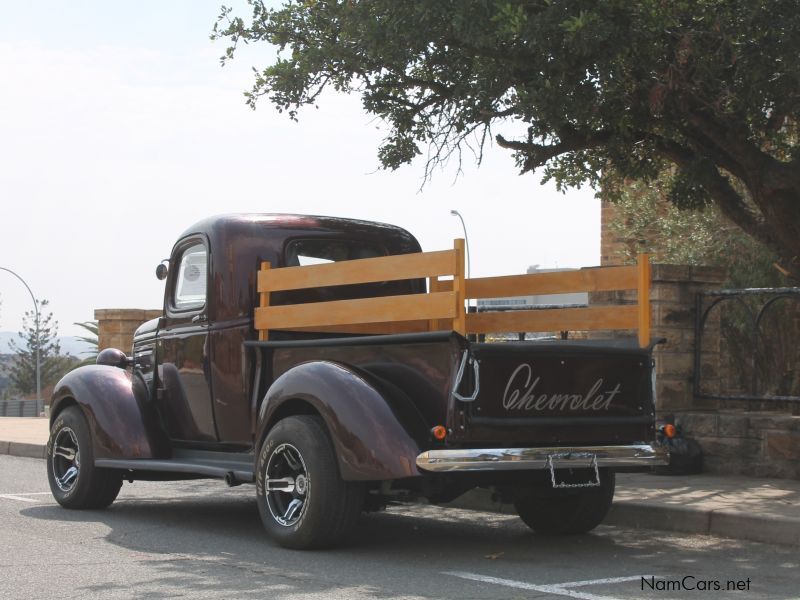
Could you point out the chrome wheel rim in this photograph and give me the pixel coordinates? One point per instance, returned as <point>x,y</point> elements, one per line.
<point>66,459</point>
<point>287,485</point>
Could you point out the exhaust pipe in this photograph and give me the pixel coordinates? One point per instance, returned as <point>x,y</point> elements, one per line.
<point>230,479</point>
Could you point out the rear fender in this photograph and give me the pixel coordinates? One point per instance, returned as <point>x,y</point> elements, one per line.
<point>122,422</point>
<point>370,443</point>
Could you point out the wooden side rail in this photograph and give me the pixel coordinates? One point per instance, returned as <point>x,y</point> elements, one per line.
<point>443,307</point>
<point>592,318</point>
<point>365,314</point>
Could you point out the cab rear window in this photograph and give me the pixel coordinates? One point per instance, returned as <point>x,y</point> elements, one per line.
<point>315,252</point>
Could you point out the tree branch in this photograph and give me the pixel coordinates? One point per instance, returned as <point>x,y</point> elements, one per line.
<point>728,200</point>
<point>570,140</point>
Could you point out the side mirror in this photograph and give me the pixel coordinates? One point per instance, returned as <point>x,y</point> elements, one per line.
<point>161,271</point>
<point>113,358</point>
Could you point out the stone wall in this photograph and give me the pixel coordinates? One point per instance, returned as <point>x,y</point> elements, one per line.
<point>116,326</point>
<point>673,294</point>
<point>758,444</point>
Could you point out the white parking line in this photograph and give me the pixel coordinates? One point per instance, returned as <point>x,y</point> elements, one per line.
<point>21,496</point>
<point>601,581</point>
<point>18,498</point>
<point>559,589</point>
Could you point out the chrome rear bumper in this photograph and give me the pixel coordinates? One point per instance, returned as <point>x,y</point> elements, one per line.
<point>508,459</point>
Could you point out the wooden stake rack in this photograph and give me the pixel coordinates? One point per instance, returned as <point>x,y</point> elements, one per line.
<point>443,307</point>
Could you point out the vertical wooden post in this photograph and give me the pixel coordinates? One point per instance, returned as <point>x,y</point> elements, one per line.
<point>263,334</point>
<point>459,287</point>
<point>643,298</point>
<point>433,287</point>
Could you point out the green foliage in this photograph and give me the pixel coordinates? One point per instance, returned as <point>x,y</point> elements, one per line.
<point>709,86</point>
<point>23,371</point>
<point>93,330</point>
<point>646,222</point>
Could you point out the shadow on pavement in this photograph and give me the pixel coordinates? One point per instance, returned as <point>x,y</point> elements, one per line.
<point>213,543</point>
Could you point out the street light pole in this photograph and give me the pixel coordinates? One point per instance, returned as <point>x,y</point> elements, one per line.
<point>36,312</point>
<point>455,213</point>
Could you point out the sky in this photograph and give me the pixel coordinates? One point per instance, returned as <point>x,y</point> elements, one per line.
<point>119,129</point>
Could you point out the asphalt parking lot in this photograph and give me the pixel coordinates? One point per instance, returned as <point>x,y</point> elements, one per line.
<point>201,539</point>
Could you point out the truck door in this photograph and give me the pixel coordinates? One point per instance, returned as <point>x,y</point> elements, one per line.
<point>184,392</point>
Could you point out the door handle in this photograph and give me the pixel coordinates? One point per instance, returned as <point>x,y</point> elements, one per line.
<point>199,319</point>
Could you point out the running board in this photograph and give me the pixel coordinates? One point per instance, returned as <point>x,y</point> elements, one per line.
<point>195,462</point>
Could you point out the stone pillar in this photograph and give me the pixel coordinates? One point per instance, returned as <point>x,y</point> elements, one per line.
<point>116,326</point>
<point>673,297</point>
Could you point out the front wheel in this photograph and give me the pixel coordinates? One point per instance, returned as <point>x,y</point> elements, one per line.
<point>568,512</point>
<point>74,480</point>
<point>302,501</point>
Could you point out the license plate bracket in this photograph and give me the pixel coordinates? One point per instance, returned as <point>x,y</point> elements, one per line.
<point>550,465</point>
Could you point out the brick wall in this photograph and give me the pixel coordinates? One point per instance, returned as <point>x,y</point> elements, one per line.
<point>610,243</point>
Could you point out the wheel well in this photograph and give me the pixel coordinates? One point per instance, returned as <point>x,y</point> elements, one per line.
<point>63,404</point>
<point>290,408</point>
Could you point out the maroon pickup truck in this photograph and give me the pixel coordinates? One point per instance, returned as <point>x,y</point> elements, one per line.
<point>327,421</point>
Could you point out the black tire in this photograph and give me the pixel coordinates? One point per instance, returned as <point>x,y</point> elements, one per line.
<point>70,447</point>
<point>316,508</point>
<point>568,512</point>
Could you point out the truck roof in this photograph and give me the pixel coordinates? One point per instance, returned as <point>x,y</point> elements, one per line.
<point>238,243</point>
<point>254,222</point>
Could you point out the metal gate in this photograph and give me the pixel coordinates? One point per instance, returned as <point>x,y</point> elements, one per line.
<point>759,343</point>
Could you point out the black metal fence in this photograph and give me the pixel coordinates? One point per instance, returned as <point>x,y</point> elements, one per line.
<point>759,343</point>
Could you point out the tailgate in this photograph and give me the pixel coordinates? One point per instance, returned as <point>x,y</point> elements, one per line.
<point>570,392</point>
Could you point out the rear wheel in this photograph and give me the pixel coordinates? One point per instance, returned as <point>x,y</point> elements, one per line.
<point>302,501</point>
<point>568,511</point>
<point>74,480</point>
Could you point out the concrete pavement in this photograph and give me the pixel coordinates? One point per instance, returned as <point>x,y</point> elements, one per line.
<point>203,540</point>
<point>762,510</point>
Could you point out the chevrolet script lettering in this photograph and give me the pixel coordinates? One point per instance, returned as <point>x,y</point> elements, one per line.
<point>520,395</point>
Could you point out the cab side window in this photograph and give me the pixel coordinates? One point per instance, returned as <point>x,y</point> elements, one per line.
<point>190,284</point>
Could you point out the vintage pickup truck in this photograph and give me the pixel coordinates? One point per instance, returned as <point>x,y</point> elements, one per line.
<point>338,368</point>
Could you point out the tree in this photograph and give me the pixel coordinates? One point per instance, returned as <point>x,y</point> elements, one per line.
<point>621,86</point>
<point>23,370</point>
<point>646,222</point>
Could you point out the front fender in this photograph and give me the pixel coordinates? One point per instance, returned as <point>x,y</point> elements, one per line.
<point>370,442</point>
<point>115,406</point>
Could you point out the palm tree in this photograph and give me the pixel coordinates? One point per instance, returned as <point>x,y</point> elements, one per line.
<point>91,339</point>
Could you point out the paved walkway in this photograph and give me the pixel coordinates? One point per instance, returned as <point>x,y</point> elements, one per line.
<point>763,510</point>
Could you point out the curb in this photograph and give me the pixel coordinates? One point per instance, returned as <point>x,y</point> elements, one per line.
<point>649,515</point>
<point>22,449</point>
<point>626,513</point>
<point>723,523</point>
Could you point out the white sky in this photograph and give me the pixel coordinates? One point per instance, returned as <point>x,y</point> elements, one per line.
<point>119,129</point>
